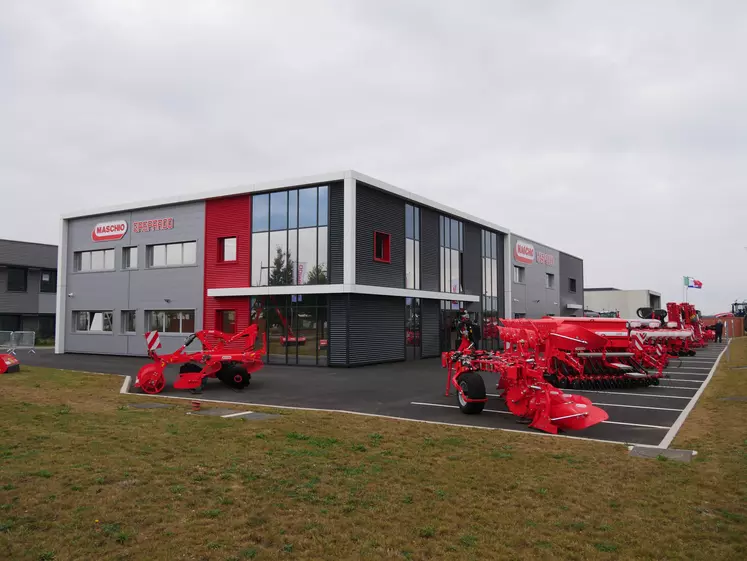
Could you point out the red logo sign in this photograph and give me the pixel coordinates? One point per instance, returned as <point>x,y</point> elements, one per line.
<point>524,252</point>
<point>109,231</point>
<point>545,258</point>
<point>153,225</point>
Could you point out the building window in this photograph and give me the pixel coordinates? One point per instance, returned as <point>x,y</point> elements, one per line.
<point>452,247</point>
<point>172,254</point>
<point>129,258</point>
<point>227,321</point>
<point>99,260</point>
<point>170,321</point>
<point>490,298</point>
<point>572,285</point>
<point>128,321</point>
<point>549,280</point>
<point>97,322</point>
<point>48,281</point>
<point>290,237</point>
<point>412,247</point>
<point>227,249</point>
<point>519,274</point>
<point>412,328</point>
<point>519,315</point>
<point>382,247</point>
<point>17,279</point>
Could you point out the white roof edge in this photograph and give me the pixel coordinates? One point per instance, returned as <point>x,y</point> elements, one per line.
<point>226,192</point>
<point>426,202</point>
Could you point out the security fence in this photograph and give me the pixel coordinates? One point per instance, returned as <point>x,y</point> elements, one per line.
<point>12,341</point>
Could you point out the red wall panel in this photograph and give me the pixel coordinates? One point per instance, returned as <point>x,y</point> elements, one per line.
<point>226,218</point>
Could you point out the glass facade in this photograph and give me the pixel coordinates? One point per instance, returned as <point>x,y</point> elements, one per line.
<point>297,328</point>
<point>452,256</point>
<point>490,297</point>
<point>290,237</point>
<point>412,329</point>
<point>412,247</point>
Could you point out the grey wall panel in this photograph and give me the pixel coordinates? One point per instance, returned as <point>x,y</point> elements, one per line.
<point>377,211</point>
<point>376,329</point>
<point>430,267</point>
<point>338,330</point>
<point>534,299</point>
<point>571,268</point>
<point>141,289</point>
<point>47,303</point>
<point>20,302</point>
<point>472,260</point>
<point>28,254</point>
<point>501,275</point>
<point>429,326</point>
<point>336,233</point>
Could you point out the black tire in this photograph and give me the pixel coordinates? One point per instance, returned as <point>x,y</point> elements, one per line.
<point>189,367</point>
<point>234,376</point>
<point>473,387</point>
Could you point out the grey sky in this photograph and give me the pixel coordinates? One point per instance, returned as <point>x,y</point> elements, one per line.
<point>614,131</point>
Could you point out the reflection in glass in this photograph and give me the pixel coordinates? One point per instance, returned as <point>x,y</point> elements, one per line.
<point>293,255</point>
<point>281,269</point>
<point>409,222</point>
<point>190,253</point>
<point>97,260</point>
<point>455,276</point>
<point>416,223</point>
<point>158,254</point>
<point>494,275</point>
<point>454,241</point>
<point>323,205</point>
<point>174,254</point>
<point>494,246</point>
<point>307,204</point>
<point>319,274</point>
<point>260,259</point>
<point>307,242</point>
<point>409,263</point>
<point>260,213</point>
<point>293,209</point>
<point>417,265</point>
<point>279,210</point>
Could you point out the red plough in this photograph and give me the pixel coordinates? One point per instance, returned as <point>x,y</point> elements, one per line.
<point>525,392</point>
<point>213,361</point>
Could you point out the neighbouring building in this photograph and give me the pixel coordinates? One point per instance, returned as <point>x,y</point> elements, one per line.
<point>626,302</point>
<point>28,287</point>
<point>339,269</point>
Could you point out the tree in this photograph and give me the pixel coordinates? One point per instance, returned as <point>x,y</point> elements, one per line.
<point>317,275</point>
<point>282,269</point>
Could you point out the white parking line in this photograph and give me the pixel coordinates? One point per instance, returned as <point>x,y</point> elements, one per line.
<point>636,406</point>
<point>681,380</point>
<point>509,413</point>
<point>236,414</point>
<point>684,373</point>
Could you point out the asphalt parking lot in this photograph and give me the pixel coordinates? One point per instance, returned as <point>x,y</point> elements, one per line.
<point>415,391</point>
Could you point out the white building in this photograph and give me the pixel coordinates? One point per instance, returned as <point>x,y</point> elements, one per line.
<point>626,302</point>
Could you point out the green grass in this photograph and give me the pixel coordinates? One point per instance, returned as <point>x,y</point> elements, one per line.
<point>83,477</point>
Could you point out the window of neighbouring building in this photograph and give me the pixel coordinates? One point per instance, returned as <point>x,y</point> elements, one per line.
<point>382,247</point>
<point>128,321</point>
<point>100,322</point>
<point>412,247</point>
<point>171,255</point>
<point>549,280</point>
<point>170,321</point>
<point>227,249</point>
<point>227,321</point>
<point>129,257</point>
<point>572,285</point>
<point>17,279</point>
<point>48,281</point>
<point>519,274</point>
<point>99,260</point>
<point>290,237</point>
<point>490,296</point>
<point>452,247</point>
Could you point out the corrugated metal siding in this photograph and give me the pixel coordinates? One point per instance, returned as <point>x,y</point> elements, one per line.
<point>20,302</point>
<point>28,254</point>
<point>377,329</point>
<point>338,330</point>
<point>429,325</point>
<point>379,212</point>
<point>430,266</point>
<point>336,233</point>
<point>501,276</point>
<point>472,273</point>
<point>225,218</point>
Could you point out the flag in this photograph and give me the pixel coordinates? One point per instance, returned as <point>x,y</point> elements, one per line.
<point>692,283</point>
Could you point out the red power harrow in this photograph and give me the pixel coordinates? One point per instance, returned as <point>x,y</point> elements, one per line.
<point>526,393</point>
<point>584,353</point>
<point>214,361</point>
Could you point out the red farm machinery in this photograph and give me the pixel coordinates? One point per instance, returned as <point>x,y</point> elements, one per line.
<point>218,358</point>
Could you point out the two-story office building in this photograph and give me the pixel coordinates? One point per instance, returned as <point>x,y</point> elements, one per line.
<point>28,283</point>
<point>339,269</point>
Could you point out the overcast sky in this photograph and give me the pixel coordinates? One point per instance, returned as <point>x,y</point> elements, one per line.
<point>613,131</point>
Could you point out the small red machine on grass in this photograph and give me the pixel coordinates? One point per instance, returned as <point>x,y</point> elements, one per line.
<point>233,368</point>
<point>9,364</point>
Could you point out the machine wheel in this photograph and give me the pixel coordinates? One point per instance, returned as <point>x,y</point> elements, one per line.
<point>655,381</point>
<point>473,387</point>
<point>234,376</point>
<point>189,368</point>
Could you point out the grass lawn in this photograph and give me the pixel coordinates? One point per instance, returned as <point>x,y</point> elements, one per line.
<point>82,476</point>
